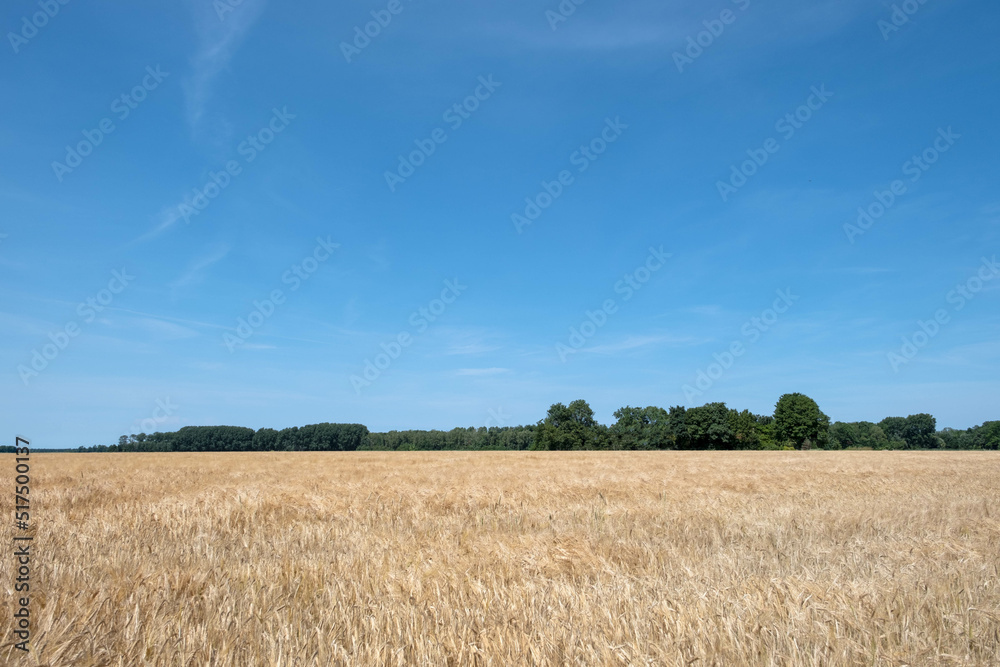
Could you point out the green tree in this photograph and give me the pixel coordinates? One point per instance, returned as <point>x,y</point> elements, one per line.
<point>765,432</point>
<point>745,429</point>
<point>843,435</point>
<point>955,439</point>
<point>988,435</point>
<point>857,435</point>
<point>920,431</point>
<point>799,421</point>
<point>641,428</point>
<point>677,427</point>
<point>709,427</point>
<point>893,427</point>
<point>627,432</point>
<point>568,427</point>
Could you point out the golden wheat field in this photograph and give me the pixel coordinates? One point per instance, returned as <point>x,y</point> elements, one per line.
<point>618,558</point>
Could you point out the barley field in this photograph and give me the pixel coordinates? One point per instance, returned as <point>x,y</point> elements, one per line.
<point>589,558</point>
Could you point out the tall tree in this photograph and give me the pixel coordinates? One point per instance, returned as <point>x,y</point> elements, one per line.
<point>799,421</point>
<point>987,436</point>
<point>709,427</point>
<point>893,427</point>
<point>641,428</point>
<point>919,432</point>
<point>568,427</point>
<point>745,429</point>
<point>861,435</point>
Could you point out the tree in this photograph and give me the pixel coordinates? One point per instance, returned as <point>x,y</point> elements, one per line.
<point>893,427</point>
<point>988,435</point>
<point>567,427</point>
<point>677,427</point>
<point>857,435</point>
<point>709,427</point>
<point>765,432</point>
<point>745,429</point>
<point>954,439</point>
<point>914,432</point>
<point>843,435</point>
<point>641,428</point>
<point>580,413</point>
<point>919,432</point>
<point>799,421</point>
<point>627,432</point>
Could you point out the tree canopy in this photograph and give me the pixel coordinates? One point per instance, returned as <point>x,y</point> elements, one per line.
<point>797,423</point>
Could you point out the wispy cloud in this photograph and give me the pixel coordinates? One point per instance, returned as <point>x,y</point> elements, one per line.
<point>861,270</point>
<point>599,36</point>
<point>661,26</point>
<point>195,273</point>
<point>472,348</point>
<point>379,256</point>
<point>219,39</point>
<point>465,340</point>
<point>636,342</point>
<point>481,371</point>
<point>258,346</point>
<point>163,220</point>
<point>25,325</point>
<point>166,330</point>
<point>973,355</point>
<point>210,325</point>
<point>169,319</point>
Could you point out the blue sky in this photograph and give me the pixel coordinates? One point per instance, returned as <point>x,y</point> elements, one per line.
<point>248,160</point>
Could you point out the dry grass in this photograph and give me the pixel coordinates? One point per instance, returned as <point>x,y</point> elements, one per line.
<point>818,558</point>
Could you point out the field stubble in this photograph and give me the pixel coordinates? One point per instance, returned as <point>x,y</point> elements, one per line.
<point>715,558</point>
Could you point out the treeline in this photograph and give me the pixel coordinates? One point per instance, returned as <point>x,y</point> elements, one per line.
<point>495,438</point>
<point>797,423</point>
<point>320,437</point>
<point>315,437</point>
<point>913,432</point>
